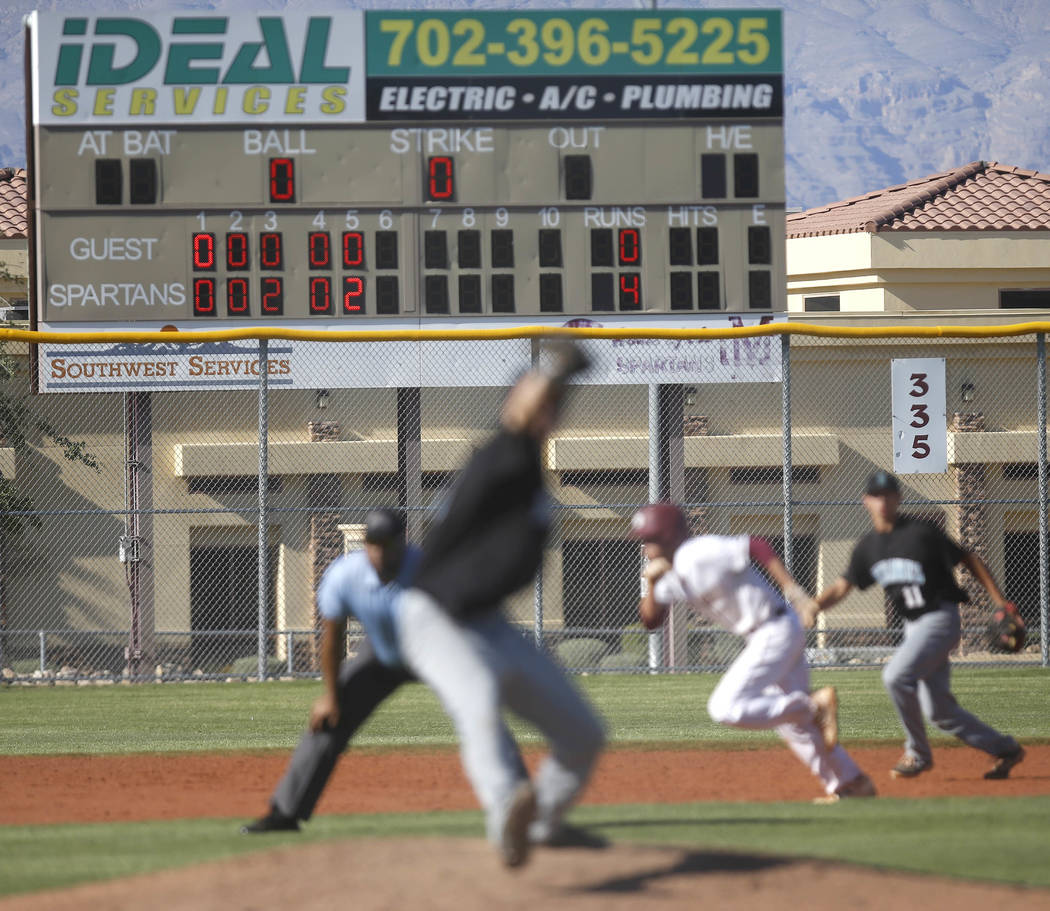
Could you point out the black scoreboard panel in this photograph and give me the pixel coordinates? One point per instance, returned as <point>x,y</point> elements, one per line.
<point>444,221</point>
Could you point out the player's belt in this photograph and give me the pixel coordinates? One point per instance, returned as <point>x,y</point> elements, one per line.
<point>777,611</point>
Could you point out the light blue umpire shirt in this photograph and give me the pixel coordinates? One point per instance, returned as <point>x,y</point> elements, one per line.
<point>351,587</point>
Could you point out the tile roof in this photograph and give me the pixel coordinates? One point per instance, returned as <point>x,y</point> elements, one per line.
<point>979,196</point>
<point>14,205</point>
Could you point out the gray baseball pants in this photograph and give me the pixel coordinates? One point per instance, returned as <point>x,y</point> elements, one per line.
<point>479,666</point>
<point>918,679</point>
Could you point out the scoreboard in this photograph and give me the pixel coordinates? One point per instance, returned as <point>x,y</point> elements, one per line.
<point>341,169</point>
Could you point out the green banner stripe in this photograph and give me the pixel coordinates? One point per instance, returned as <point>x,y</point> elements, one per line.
<point>422,43</point>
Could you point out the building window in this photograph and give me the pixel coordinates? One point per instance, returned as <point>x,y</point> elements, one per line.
<point>800,474</point>
<point>1027,299</point>
<point>826,303</point>
<point>599,586</point>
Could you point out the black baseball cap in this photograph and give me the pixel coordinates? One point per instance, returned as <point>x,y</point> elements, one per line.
<point>881,482</point>
<point>384,525</point>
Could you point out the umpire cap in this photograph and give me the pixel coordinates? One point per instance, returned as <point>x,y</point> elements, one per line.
<point>664,523</point>
<point>384,525</point>
<point>880,482</point>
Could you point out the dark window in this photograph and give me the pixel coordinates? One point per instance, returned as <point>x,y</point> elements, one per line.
<point>142,181</point>
<point>502,249</point>
<point>825,303</point>
<point>707,289</point>
<point>679,247</point>
<point>386,249</point>
<point>435,289</point>
<point>502,293</point>
<point>224,585</point>
<point>217,485</point>
<point>435,250</point>
<point>577,176</point>
<point>745,175</point>
<point>550,293</point>
<point>800,474</point>
<point>681,290</point>
<point>1035,299</point>
<point>108,182</point>
<point>470,294</point>
<point>707,246</point>
<point>388,296</point>
<point>599,586</point>
<point>1020,555</point>
<point>605,477</point>
<point>602,291</point>
<point>601,247</point>
<point>550,247</point>
<point>759,290</point>
<point>1020,471</point>
<point>713,176</point>
<point>468,249</point>
<point>759,245</point>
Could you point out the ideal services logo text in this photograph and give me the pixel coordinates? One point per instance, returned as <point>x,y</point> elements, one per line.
<point>187,68</point>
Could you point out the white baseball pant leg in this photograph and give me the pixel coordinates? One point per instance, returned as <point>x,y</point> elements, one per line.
<point>767,686</point>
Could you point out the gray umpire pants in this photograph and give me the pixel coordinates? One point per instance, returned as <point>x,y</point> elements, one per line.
<point>363,683</point>
<point>480,665</point>
<point>918,680</point>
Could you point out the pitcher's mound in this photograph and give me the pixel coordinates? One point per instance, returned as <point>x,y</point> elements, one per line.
<point>431,874</point>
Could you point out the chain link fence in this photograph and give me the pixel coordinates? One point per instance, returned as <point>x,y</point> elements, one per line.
<point>137,543</point>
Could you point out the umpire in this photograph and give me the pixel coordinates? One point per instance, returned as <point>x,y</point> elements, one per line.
<point>365,584</point>
<point>914,561</point>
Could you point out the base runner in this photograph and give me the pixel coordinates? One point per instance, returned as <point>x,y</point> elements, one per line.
<point>767,686</point>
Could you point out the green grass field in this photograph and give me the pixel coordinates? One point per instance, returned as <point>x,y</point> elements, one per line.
<point>945,836</point>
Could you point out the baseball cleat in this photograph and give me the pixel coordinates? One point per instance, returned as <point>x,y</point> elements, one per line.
<point>861,786</point>
<point>271,822</point>
<point>826,714</point>
<point>909,766</point>
<point>514,841</point>
<point>568,836</point>
<point>1004,763</point>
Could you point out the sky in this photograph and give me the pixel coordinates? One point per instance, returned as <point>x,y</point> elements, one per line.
<point>878,92</point>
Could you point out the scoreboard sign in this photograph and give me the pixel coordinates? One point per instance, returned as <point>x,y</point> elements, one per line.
<point>401,169</point>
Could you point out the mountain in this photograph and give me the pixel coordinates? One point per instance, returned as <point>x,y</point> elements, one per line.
<point>877,91</point>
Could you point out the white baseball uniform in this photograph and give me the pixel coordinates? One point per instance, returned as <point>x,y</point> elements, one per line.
<point>767,686</point>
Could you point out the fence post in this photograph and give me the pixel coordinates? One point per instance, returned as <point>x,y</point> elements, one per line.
<point>43,651</point>
<point>656,638</point>
<point>1044,576</point>
<point>264,474</point>
<point>785,399</point>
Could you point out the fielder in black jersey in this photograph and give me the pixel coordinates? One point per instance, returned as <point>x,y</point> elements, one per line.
<point>914,562</point>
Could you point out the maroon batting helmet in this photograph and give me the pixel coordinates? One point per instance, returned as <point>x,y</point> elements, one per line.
<point>664,523</point>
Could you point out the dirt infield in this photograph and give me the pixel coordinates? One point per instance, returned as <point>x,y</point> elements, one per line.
<point>53,789</point>
<point>462,874</point>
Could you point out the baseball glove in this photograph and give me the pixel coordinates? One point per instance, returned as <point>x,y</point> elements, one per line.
<point>1006,629</point>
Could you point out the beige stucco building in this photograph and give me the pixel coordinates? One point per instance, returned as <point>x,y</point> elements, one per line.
<point>968,247</point>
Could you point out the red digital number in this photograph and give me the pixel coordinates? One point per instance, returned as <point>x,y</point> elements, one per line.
<point>204,297</point>
<point>353,249</point>
<point>353,294</point>
<point>441,182</point>
<point>236,296</point>
<point>272,300</point>
<point>203,252</point>
<point>237,250</point>
<point>270,250</point>
<point>319,249</point>
<point>630,291</point>
<point>320,294</point>
<point>630,247</point>
<point>282,180</point>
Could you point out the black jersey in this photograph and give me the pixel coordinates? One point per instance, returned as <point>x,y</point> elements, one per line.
<point>913,563</point>
<point>489,541</point>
